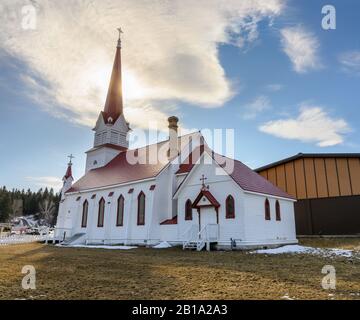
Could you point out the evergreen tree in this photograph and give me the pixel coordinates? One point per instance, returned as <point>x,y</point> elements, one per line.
<point>33,202</point>
<point>5,205</point>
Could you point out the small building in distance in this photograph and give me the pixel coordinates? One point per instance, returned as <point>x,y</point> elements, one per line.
<point>327,187</point>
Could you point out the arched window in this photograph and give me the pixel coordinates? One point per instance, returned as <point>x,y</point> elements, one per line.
<point>188,210</point>
<point>141,209</point>
<point>278,211</point>
<point>101,213</point>
<point>84,214</point>
<point>230,207</point>
<point>267,210</point>
<point>120,212</point>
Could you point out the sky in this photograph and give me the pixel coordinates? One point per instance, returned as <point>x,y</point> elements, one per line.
<point>268,70</point>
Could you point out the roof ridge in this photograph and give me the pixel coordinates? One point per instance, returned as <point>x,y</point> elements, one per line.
<point>163,141</point>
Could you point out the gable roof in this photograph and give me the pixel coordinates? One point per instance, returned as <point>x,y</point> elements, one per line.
<point>120,170</point>
<point>242,175</point>
<point>208,195</point>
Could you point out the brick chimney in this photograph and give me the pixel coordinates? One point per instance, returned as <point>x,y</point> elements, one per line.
<point>173,137</point>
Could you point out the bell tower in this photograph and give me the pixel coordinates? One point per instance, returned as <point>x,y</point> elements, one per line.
<point>111,128</point>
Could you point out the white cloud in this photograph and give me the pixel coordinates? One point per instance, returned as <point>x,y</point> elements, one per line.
<point>313,124</point>
<point>351,61</point>
<point>170,51</point>
<point>301,46</point>
<point>274,87</point>
<point>257,106</point>
<point>49,182</point>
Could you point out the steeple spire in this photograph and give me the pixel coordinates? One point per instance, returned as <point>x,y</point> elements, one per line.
<point>68,173</point>
<point>68,178</point>
<point>114,100</point>
<point>119,40</point>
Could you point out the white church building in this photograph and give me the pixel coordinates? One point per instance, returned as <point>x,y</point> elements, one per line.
<point>177,190</point>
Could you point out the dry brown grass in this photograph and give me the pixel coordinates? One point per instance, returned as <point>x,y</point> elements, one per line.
<point>77,273</point>
<point>342,243</point>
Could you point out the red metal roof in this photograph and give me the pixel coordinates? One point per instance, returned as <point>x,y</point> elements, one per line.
<point>170,221</point>
<point>68,173</point>
<point>108,145</point>
<point>120,170</point>
<point>114,100</point>
<point>249,180</point>
<point>190,161</point>
<point>209,196</point>
<point>246,178</point>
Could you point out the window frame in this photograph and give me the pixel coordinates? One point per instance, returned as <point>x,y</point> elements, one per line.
<point>267,210</point>
<point>139,222</point>
<point>101,215</point>
<point>229,215</point>
<point>120,222</point>
<point>278,210</point>
<point>84,216</point>
<point>188,209</point>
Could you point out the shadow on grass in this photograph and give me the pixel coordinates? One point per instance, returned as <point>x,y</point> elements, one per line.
<point>80,273</point>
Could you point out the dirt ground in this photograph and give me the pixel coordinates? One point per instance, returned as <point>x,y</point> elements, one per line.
<point>78,273</point>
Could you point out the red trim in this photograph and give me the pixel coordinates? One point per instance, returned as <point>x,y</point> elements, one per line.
<point>170,221</point>
<point>209,196</point>
<point>108,145</point>
<point>141,223</point>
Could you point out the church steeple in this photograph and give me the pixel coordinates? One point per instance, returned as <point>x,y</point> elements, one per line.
<point>111,129</point>
<point>68,178</point>
<point>114,100</point>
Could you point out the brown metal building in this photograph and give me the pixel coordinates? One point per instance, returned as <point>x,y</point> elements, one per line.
<point>327,187</point>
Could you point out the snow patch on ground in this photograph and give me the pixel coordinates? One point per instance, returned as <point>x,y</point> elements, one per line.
<point>21,238</point>
<point>162,245</point>
<point>97,247</point>
<point>297,249</point>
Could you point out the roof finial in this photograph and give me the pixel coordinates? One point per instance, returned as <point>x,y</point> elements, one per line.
<point>203,179</point>
<point>68,173</point>
<point>119,40</point>
<point>70,157</point>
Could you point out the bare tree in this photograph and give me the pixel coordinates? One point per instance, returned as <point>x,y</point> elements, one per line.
<point>47,211</point>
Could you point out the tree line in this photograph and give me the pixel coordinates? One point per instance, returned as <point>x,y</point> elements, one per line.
<point>44,204</point>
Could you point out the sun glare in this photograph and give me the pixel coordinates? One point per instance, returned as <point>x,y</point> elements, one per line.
<point>132,88</point>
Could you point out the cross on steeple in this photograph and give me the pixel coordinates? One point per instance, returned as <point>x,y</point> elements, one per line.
<point>203,179</point>
<point>119,40</point>
<point>71,157</point>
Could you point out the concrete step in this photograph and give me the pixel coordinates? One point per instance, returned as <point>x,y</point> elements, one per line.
<point>72,239</point>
